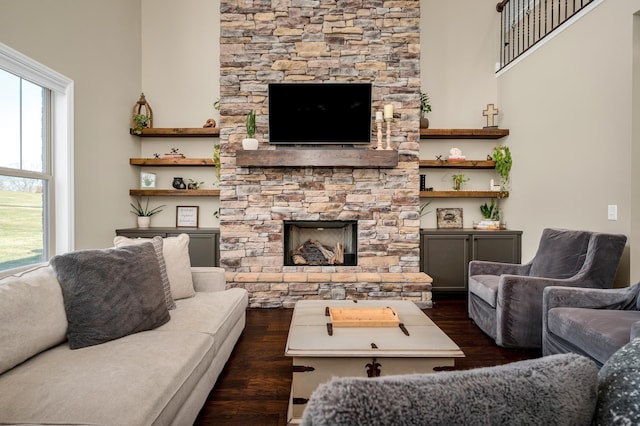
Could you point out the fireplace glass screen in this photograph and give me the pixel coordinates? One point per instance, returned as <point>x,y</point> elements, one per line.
<point>320,243</point>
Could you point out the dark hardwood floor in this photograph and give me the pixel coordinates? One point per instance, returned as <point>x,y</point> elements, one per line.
<point>254,386</point>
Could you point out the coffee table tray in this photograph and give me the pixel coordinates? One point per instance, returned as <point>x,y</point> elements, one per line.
<point>364,317</point>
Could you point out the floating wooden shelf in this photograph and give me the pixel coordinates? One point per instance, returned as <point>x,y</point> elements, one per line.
<point>492,133</point>
<point>317,158</point>
<point>162,162</point>
<point>174,192</point>
<point>178,132</point>
<point>464,194</point>
<point>468,164</point>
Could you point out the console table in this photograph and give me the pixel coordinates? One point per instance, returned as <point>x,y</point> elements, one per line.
<point>445,253</point>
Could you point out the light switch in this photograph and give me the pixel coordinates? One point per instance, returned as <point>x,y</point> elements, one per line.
<point>612,212</point>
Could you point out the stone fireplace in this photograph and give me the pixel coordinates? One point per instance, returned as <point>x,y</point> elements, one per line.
<point>374,41</point>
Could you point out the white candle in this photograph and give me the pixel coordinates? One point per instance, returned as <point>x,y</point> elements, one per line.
<point>388,112</point>
<point>378,115</point>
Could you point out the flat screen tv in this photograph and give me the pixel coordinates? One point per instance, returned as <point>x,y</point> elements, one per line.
<point>320,113</point>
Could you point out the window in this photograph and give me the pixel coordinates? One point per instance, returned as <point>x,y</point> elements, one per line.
<point>35,165</point>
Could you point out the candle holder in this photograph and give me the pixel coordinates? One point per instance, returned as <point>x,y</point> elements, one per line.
<point>379,125</point>
<point>389,120</point>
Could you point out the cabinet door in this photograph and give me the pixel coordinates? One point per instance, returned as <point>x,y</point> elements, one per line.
<point>496,248</point>
<point>445,259</point>
<point>203,248</point>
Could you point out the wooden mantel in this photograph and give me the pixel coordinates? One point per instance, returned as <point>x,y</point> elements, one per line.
<point>330,157</point>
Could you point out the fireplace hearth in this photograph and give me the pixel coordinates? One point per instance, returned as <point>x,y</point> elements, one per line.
<point>320,243</point>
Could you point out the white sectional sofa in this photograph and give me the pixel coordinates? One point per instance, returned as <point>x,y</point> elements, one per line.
<point>161,375</point>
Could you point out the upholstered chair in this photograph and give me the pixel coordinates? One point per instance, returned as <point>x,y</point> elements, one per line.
<point>505,300</point>
<point>589,321</point>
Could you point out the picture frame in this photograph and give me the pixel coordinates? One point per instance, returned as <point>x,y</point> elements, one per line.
<point>147,180</point>
<point>449,218</point>
<point>187,216</point>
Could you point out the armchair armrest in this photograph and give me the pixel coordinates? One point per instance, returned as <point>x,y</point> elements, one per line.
<point>481,267</point>
<point>593,298</point>
<point>208,278</point>
<point>635,330</point>
<point>519,319</point>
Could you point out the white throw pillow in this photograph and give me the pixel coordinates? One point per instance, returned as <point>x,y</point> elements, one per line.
<point>176,257</point>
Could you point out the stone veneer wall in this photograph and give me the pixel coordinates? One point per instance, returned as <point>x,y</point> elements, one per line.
<point>264,41</point>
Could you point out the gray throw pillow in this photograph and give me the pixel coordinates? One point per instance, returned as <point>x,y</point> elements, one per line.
<point>110,293</point>
<point>619,387</point>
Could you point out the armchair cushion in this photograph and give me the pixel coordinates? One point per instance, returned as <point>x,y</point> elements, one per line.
<point>485,287</point>
<point>597,332</point>
<point>561,253</point>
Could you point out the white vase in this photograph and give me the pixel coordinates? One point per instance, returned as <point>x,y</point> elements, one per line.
<point>144,221</point>
<point>250,144</point>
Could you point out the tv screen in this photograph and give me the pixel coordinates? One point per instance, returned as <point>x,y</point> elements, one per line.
<point>320,113</point>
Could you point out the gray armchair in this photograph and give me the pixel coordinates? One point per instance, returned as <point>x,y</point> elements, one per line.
<point>590,322</point>
<point>505,300</point>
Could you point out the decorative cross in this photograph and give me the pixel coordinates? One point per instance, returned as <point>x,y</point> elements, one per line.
<point>491,112</point>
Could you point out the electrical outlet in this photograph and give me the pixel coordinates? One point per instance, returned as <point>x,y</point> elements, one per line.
<point>612,212</point>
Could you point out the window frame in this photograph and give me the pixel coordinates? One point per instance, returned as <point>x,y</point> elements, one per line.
<point>59,227</point>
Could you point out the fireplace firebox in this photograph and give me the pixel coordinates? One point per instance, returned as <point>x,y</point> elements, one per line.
<point>327,242</point>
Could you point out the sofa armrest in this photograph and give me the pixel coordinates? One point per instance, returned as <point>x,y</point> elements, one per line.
<point>208,278</point>
<point>482,267</point>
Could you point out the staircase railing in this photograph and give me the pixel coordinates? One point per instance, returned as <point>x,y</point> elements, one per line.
<point>526,22</point>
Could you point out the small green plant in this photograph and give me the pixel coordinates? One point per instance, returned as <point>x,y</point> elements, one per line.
<point>458,180</point>
<point>251,124</point>
<point>502,157</point>
<point>216,105</point>
<point>425,104</point>
<point>138,210</point>
<point>142,121</point>
<point>490,212</point>
<point>194,184</point>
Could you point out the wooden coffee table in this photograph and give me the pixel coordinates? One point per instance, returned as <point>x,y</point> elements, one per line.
<point>321,350</point>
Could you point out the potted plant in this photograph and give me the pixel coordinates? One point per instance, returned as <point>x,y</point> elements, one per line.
<point>458,180</point>
<point>250,143</point>
<point>216,159</point>
<point>502,157</point>
<point>144,213</point>
<point>425,108</point>
<point>491,216</point>
<point>142,121</point>
<point>194,184</point>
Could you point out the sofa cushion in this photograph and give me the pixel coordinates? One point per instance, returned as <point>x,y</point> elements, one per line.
<point>110,293</point>
<point>140,379</point>
<point>553,390</point>
<point>597,332</point>
<point>214,313</point>
<point>485,287</point>
<point>178,262</point>
<point>561,253</point>
<point>32,317</point>
<point>619,387</point>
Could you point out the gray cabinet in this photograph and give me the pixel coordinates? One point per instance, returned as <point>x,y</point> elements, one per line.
<point>204,243</point>
<point>445,253</point>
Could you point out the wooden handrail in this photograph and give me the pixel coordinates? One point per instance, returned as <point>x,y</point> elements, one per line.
<point>501,5</point>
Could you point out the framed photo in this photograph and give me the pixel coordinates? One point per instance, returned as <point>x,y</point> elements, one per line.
<point>450,218</point>
<point>147,180</point>
<point>187,216</point>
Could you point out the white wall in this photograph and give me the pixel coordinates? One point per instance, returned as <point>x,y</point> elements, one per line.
<point>568,106</point>
<point>96,44</point>
<point>180,80</point>
<point>459,50</point>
